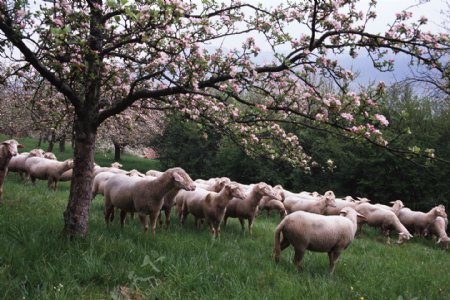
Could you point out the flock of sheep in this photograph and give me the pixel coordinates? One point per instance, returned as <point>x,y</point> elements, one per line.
<point>310,221</point>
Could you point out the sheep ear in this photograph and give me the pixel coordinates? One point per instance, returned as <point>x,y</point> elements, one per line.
<point>361,216</point>
<point>392,202</point>
<point>20,146</point>
<point>177,177</point>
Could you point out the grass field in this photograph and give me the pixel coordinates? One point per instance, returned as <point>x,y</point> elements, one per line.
<point>37,262</point>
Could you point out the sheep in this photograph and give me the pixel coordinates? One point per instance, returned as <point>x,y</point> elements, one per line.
<point>212,185</point>
<point>419,221</point>
<point>439,229</point>
<point>385,219</point>
<point>116,165</point>
<point>211,205</point>
<point>17,163</point>
<point>309,231</point>
<point>8,149</point>
<point>50,155</point>
<point>314,206</point>
<point>48,169</point>
<point>268,203</point>
<point>247,208</point>
<point>142,195</point>
<point>396,206</point>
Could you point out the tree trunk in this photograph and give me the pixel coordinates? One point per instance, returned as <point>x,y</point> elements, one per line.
<point>76,215</point>
<point>62,144</point>
<point>116,151</point>
<point>51,142</point>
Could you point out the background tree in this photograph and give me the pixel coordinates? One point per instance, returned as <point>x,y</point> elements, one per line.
<point>153,51</point>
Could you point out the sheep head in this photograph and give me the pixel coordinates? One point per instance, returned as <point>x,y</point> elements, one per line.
<point>182,179</point>
<point>235,190</point>
<point>330,199</point>
<point>36,153</point>
<point>10,147</point>
<point>280,192</point>
<point>403,237</point>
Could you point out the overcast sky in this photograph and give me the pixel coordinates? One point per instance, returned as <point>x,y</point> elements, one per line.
<point>386,10</point>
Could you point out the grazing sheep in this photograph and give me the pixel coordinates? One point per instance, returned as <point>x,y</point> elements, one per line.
<point>309,231</point>
<point>247,208</point>
<point>114,169</point>
<point>396,206</point>
<point>419,221</point>
<point>384,219</point>
<point>211,205</point>
<point>17,163</point>
<point>269,204</point>
<point>48,169</point>
<point>143,195</point>
<point>314,206</point>
<point>439,229</point>
<point>8,149</point>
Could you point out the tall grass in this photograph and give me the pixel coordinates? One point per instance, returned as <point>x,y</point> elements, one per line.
<point>38,262</point>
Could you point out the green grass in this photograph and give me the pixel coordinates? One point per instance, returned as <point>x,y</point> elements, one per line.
<point>38,262</point>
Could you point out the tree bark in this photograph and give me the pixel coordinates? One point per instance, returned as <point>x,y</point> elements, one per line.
<point>62,144</point>
<point>117,151</point>
<point>76,215</point>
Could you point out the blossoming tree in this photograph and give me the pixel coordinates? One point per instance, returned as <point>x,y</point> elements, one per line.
<point>156,52</point>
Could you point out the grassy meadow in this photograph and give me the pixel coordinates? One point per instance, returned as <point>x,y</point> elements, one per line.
<point>38,262</point>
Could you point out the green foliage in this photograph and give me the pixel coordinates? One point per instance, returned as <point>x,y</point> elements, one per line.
<point>37,262</point>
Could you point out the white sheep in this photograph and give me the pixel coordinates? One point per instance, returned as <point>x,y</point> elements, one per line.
<point>247,208</point>
<point>419,221</point>
<point>8,149</point>
<point>17,163</point>
<point>309,231</point>
<point>48,169</point>
<point>267,203</point>
<point>318,206</point>
<point>384,219</point>
<point>142,195</point>
<point>211,205</point>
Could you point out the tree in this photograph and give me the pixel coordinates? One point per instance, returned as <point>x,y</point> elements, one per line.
<point>106,56</point>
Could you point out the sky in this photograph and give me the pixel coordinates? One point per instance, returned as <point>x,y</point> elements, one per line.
<point>386,10</point>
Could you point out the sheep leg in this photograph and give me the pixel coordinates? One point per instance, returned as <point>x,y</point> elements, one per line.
<point>1,194</point>
<point>160,221</point>
<point>298,256</point>
<point>33,180</point>
<point>250,222</point>
<point>225,219</point>
<point>167,213</point>
<point>153,218</point>
<point>333,255</point>
<point>123,215</point>
<point>242,224</point>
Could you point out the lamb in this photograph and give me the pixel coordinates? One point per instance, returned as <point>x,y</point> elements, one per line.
<point>385,219</point>
<point>314,206</point>
<point>48,169</point>
<point>268,203</point>
<point>309,231</point>
<point>439,229</point>
<point>8,149</point>
<point>17,163</point>
<point>419,221</point>
<point>143,195</point>
<point>211,205</point>
<point>247,208</point>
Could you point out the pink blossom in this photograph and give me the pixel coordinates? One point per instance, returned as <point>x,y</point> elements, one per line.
<point>347,116</point>
<point>382,119</point>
